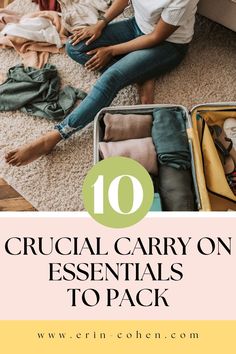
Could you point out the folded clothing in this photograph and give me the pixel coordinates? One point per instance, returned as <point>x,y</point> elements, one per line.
<point>170,137</point>
<point>156,204</point>
<point>176,189</point>
<point>37,92</point>
<point>127,126</point>
<point>140,150</point>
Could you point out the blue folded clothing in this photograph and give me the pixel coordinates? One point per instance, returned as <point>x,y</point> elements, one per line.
<point>156,204</point>
<point>170,137</point>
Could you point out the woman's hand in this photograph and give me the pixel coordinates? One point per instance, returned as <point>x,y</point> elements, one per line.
<point>90,32</point>
<point>100,58</point>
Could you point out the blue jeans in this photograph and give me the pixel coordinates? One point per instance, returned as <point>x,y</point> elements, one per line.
<point>134,67</point>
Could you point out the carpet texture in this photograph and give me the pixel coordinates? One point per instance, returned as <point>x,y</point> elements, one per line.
<point>54,182</point>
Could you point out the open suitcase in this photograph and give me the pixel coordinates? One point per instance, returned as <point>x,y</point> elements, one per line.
<point>212,191</point>
<point>215,192</point>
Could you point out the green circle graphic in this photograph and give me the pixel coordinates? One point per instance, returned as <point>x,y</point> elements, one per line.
<point>118,192</point>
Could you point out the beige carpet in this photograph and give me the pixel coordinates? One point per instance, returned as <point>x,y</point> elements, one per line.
<point>54,183</point>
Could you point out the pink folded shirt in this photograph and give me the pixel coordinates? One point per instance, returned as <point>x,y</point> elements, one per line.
<point>140,150</point>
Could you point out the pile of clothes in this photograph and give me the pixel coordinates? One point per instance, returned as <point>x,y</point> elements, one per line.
<point>76,13</point>
<point>35,35</point>
<point>34,86</point>
<point>79,13</point>
<point>37,92</point>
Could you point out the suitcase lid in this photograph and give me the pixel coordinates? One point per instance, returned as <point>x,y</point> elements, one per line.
<point>210,106</point>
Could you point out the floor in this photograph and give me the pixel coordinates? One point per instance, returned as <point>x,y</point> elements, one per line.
<point>10,200</point>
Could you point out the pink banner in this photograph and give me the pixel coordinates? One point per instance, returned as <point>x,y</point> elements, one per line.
<point>73,268</point>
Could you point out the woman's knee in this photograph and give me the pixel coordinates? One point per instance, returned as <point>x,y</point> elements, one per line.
<point>69,48</point>
<point>75,52</point>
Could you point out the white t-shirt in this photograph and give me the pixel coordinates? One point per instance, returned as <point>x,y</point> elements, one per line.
<point>175,12</point>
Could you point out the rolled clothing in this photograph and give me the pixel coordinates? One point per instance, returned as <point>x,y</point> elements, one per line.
<point>140,150</point>
<point>156,204</point>
<point>170,137</point>
<point>37,92</point>
<point>127,126</point>
<point>176,189</point>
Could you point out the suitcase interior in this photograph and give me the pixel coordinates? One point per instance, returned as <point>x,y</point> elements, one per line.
<point>205,199</point>
<point>99,129</point>
<point>210,200</point>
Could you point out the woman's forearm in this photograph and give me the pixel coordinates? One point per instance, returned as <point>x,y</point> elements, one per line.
<point>143,42</point>
<point>116,9</point>
<point>161,32</point>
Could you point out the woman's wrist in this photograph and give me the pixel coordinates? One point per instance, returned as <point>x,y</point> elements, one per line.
<point>113,50</point>
<point>102,21</point>
<point>101,24</point>
<point>118,49</point>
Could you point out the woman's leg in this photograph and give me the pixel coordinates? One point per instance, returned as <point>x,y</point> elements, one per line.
<point>135,67</point>
<point>138,66</point>
<point>146,91</point>
<point>115,33</point>
<point>32,151</point>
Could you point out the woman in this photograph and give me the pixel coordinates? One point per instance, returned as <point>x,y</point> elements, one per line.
<point>134,50</point>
